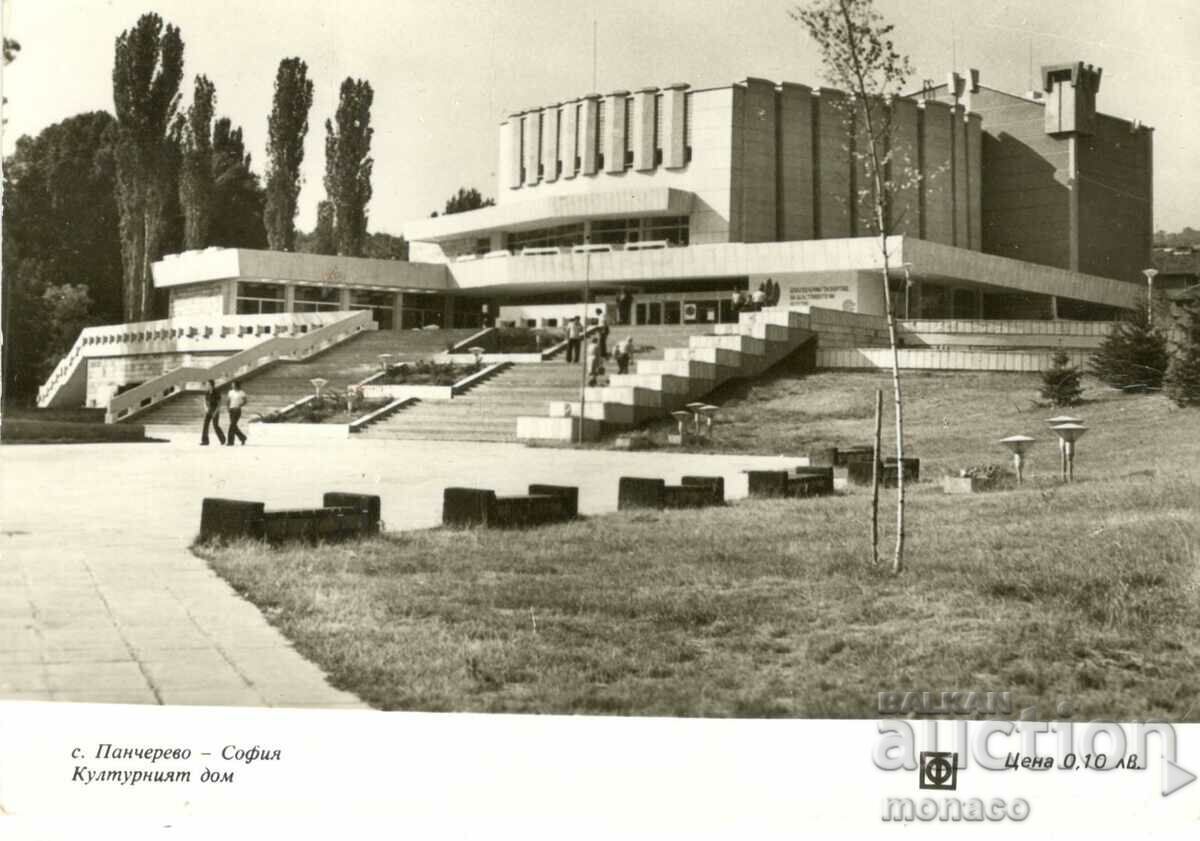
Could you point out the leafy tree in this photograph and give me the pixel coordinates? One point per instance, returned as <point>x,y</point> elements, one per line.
<point>859,57</point>
<point>466,199</point>
<point>196,187</point>
<point>1061,381</point>
<point>238,199</point>
<point>11,48</point>
<point>147,71</point>
<point>386,247</point>
<point>1183,376</point>
<point>325,239</point>
<point>348,165</point>
<point>286,129</point>
<point>60,227</point>
<point>1134,355</point>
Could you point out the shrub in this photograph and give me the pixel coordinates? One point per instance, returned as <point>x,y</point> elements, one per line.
<point>1060,382</point>
<point>1183,375</point>
<point>1133,355</point>
<point>988,476</point>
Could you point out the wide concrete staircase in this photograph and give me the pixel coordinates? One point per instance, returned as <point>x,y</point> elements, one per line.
<point>283,383</point>
<point>756,342</point>
<point>489,411</point>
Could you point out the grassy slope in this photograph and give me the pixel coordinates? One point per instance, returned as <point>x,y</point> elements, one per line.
<point>1085,593</point>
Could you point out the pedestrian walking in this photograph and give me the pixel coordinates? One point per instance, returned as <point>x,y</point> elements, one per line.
<point>622,352</point>
<point>212,413</point>
<point>237,399</point>
<point>574,335</point>
<point>602,332</point>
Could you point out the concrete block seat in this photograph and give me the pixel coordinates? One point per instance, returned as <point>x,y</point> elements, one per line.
<point>473,507</point>
<point>799,482</point>
<point>691,492</point>
<point>340,517</point>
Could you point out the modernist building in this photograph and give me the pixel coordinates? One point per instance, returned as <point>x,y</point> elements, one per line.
<point>1032,206</point>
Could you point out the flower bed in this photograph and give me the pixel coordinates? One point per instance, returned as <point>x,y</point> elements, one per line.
<point>525,339</point>
<point>426,372</point>
<point>329,408</point>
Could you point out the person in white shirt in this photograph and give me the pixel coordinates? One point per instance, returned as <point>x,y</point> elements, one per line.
<point>237,399</point>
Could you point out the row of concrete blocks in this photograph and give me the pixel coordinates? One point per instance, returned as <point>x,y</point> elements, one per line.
<point>798,482</point>
<point>691,492</point>
<point>659,386</point>
<point>474,507</point>
<point>341,516</point>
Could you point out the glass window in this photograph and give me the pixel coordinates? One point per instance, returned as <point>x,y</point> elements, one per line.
<point>381,305</point>
<point>628,132</point>
<point>687,128</point>
<point>615,231</point>
<point>674,229</point>
<point>563,235</point>
<point>317,299</point>
<point>671,312</point>
<point>255,298</point>
<point>601,125</point>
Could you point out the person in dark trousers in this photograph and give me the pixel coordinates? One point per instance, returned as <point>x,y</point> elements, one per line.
<point>625,306</point>
<point>602,332</point>
<point>622,352</point>
<point>237,399</point>
<point>574,339</point>
<point>212,413</point>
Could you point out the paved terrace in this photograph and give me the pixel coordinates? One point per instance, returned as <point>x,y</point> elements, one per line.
<point>101,601</point>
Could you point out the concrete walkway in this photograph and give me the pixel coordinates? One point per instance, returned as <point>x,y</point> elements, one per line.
<point>101,601</point>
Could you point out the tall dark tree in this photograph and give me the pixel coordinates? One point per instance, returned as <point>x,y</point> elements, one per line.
<point>147,71</point>
<point>348,165</point>
<point>60,228</point>
<point>1182,383</point>
<point>466,199</point>
<point>286,129</point>
<point>324,236</point>
<point>196,188</point>
<point>238,198</point>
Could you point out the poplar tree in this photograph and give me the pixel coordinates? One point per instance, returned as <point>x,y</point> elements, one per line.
<point>859,57</point>
<point>348,165</point>
<point>287,127</point>
<point>196,187</point>
<point>147,71</point>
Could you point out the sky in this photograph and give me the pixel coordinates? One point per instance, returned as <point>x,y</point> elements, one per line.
<point>447,72</point>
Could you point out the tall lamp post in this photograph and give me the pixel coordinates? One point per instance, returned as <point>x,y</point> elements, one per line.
<point>1150,275</point>
<point>583,355</point>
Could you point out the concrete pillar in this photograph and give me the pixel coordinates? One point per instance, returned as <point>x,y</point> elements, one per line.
<point>567,148</point>
<point>975,182</point>
<point>397,311</point>
<point>289,298</point>
<point>531,132</point>
<point>906,162</point>
<point>937,171</point>
<point>753,201</point>
<point>832,165</point>
<point>962,218</point>
<point>794,202</point>
<point>673,131</point>
<point>511,134</point>
<point>587,133</point>
<point>550,143</point>
<point>344,298</point>
<point>643,129</point>
<point>614,143</point>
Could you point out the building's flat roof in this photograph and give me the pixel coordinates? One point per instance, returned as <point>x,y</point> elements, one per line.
<point>251,264</point>
<point>552,210</point>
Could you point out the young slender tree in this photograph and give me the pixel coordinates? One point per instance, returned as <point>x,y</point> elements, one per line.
<point>348,165</point>
<point>859,57</point>
<point>196,185</point>
<point>286,129</point>
<point>147,71</point>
